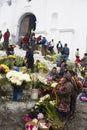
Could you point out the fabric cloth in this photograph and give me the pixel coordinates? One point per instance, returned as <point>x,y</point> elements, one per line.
<point>83,97</point>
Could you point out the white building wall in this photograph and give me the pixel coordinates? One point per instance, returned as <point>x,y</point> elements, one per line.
<point>58,19</point>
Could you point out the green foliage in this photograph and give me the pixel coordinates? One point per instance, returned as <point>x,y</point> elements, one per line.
<point>1,46</point>
<point>19,61</point>
<point>53,57</point>
<point>70,64</point>
<point>7,61</point>
<point>3,80</point>
<point>51,112</point>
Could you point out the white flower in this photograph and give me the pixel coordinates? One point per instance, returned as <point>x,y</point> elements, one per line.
<point>17,77</point>
<point>44,97</point>
<point>54,84</point>
<point>35,120</point>
<point>53,102</point>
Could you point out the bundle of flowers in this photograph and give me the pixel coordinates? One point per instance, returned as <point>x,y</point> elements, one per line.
<point>12,56</point>
<point>9,61</point>
<point>32,125</point>
<point>4,68</point>
<point>43,125</point>
<point>19,61</point>
<point>34,80</point>
<point>53,57</point>
<point>41,66</point>
<point>70,64</point>
<point>18,78</point>
<point>43,99</point>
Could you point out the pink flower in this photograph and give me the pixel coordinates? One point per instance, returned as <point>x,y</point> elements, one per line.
<point>40,116</point>
<point>29,126</point>
<point>49,78</point>
<point>60,88</point>
<point>53,92</point>
<point>46,125</point>
<point>27,118</point>
<point>1,68</point>
<point>84,98</point>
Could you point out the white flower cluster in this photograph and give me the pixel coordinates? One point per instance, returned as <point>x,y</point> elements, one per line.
<point>17,77</point>
<point>42,79</point>
<point>42,99</point>
<point>54,84</point>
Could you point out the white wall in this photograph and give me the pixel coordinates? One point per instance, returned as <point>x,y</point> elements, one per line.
<point>64,20</point>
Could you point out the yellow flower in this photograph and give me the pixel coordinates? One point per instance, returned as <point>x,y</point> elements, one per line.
<point>6,68</point>
<point>11,56</point>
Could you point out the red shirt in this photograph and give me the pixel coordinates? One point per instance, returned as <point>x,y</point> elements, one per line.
<point>77,61</point>
<point>26,39</point>
<point>6,36</point>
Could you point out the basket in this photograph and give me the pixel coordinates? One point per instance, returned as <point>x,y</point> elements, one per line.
<point>58,125</point>
<point>43,125</point>
<point>31,126</point>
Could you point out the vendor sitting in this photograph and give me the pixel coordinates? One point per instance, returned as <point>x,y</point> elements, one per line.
<point>53,74</point>
<point>10,50</point>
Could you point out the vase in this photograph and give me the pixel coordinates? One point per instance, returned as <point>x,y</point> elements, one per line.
<point>17,94</point>
<point>34,94</point>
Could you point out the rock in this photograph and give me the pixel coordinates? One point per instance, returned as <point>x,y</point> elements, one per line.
<point>12,114</point>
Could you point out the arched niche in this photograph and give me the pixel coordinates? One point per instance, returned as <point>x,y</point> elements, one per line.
<point>27,23</point>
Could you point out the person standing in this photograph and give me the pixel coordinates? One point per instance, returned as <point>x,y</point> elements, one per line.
<point>25,41</point>
<point>51,45</point>
<point>65,97</point>
<point>29,57</point>
<point>0,35</point>
<point>6,39</point>
<point>77,53</point>
<point>59,47</point>
<point>44,43</point>
<point>65,52</point>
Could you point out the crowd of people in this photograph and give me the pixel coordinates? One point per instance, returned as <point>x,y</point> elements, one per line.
<point>70,86</point>
<point>70,83</point>
<point>8,47</point>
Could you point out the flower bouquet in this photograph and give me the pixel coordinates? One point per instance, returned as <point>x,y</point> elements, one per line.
<point>18,80</point>
<point>4,68</point>
<point>32,125</point>
<point>44,125</point>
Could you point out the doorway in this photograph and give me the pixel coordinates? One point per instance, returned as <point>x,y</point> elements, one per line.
<point>27,24</point>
